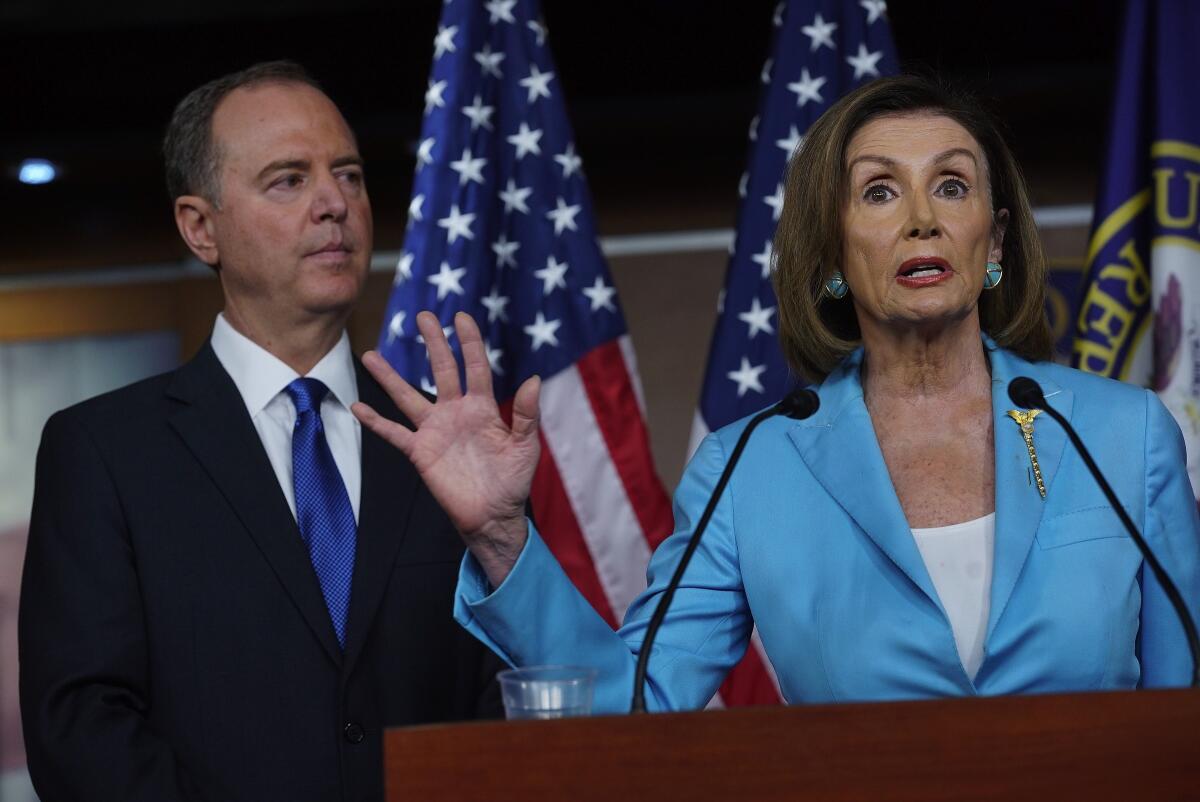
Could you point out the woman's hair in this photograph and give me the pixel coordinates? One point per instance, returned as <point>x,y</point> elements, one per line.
<point>816,331</point>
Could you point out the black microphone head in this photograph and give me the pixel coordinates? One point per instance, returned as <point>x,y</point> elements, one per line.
<point>1025,392</point>
<point>799,403</point>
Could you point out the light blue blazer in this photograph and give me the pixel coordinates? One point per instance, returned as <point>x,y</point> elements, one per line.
<point>809,541</point>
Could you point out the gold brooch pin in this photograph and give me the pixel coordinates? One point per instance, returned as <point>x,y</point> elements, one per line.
<point>1024,419</point>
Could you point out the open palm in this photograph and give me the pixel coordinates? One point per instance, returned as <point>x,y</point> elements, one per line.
<point>477,467</point>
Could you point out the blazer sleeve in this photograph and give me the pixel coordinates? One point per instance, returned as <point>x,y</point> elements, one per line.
<point>537,617</point>
<point>81,632</point>
<point>1173,534</point>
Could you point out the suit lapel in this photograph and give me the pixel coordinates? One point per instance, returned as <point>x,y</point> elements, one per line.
<point>389,485</point>
<point>1019,505</point>
<point>840,448</point>
<point>213,424</point>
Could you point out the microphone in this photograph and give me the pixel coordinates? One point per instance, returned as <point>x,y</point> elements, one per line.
<point>1026,393</point>
<point>798,404</point>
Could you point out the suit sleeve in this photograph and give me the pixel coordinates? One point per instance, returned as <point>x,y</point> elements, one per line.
<point>84,676</point>
<point>537,617</point>
<point>1173,534</point>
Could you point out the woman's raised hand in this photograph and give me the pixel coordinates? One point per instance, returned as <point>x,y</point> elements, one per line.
<point>477,467</point>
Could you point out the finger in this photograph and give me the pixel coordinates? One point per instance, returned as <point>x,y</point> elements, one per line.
<point>475,361</point>
<point>441,358</point>
<point>525,408</point>
<point>407,398</point>
<point>389,430</point>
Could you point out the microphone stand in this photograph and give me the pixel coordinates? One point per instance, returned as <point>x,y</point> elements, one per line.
<point>798,405</point>
<point>1025,392</point>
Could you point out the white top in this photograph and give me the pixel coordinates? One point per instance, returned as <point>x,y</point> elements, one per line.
<point>261,378</point>
<point>959,560</point>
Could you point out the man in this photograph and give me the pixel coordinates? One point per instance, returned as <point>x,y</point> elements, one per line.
<point>230,587</point>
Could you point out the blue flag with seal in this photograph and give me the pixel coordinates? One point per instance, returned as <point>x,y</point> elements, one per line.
<point>1139,316</point>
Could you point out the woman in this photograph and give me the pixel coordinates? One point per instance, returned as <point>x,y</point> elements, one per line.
<point>912,538</point>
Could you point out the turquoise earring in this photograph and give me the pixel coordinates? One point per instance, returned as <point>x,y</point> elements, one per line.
<point>992,275</point>
<point>836,286</point>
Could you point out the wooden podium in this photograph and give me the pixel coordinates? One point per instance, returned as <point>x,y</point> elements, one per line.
<point>1100,746</point>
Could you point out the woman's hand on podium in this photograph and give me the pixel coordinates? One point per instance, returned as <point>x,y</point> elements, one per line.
<point>478,467</point>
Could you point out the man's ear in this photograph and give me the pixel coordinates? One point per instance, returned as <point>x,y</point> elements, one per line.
<point>194,219</point>
<point>999,226</point>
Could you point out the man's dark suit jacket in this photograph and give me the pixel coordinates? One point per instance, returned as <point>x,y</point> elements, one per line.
<point>174,641</point>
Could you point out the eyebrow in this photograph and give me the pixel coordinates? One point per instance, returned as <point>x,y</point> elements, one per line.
<point>942,157</point>
<point>304,164</point>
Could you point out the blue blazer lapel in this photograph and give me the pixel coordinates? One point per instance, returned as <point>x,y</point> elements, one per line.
<point>839,446</point>
<point>1019,505</point>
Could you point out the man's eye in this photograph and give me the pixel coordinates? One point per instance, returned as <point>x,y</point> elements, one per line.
<point>289,181</point>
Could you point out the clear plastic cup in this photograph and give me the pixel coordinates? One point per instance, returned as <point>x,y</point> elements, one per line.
<point>547,691</point>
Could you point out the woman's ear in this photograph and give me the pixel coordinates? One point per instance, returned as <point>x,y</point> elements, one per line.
<point>999,226</point>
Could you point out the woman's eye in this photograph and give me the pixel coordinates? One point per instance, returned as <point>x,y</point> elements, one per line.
<point>953,188</point>
<point>877,194</point>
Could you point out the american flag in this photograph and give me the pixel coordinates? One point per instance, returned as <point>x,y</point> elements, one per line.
<point>501,226</point>
<point>821,49</point>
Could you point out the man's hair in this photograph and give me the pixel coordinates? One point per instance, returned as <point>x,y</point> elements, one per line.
<point>817,332</point>
<point>193,161</point>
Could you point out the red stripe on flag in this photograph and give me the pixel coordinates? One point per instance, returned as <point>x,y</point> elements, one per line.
<point>610,391</point>
<point>557,525</point>
<point>749,683</point>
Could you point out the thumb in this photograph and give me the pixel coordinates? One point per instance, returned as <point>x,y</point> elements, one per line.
<point>525,408</point>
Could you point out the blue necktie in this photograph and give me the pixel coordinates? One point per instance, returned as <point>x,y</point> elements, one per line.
<point>323,508</point>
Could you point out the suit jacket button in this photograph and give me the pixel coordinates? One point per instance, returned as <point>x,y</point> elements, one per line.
<point>354,733</point>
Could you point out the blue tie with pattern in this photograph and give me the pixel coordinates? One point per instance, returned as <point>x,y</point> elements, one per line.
<point>323,508</point>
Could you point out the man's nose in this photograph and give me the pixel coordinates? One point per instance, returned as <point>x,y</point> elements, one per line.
<point>329,200</point>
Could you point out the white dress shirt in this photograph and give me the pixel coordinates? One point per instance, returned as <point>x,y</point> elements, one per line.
<point>261,378</point>
<point>959,559</point>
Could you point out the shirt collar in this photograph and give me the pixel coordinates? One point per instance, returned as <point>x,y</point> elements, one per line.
<point>259,375</point>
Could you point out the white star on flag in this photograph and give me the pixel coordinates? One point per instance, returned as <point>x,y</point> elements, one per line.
<point>425,152</point>
<point>765,75</point>
<point>864,62</point>
<point>456,224</point>
<point>504,251</point>
<point>763,259</point>
<point>747,377</point>
<point>821,33</point>
<point>495,303</point>
<point>538,83</point>
<point>807,88</point>
<point>414,208</point>
<point>777,17</point>
<point>754,128</point>
<point>601,295</point>
<point>493,357</point>
<point>569,161</point>
<point>514,197</point>
<point>489,62</point>
<point>404,268</point>
<point>468,168</point>
<point>479,114</point>
<point>500,10</point>
<point>396,326</point>
<point>539,31</point>
<point>433,95</point>
<point>742,184</point>
<point>444,41</point>
<point>526,141</point>
<point>542,331</point>
<point>552,275</point>
<point>446,280</point>
<point>563,216</point>
<point>428,386</point>
<point>775,202</point>
<point>875,9</point>
<point>759,319</point>
<point>792,141</point>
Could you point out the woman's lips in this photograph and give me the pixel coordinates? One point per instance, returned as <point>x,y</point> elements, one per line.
<point>923,271</point>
